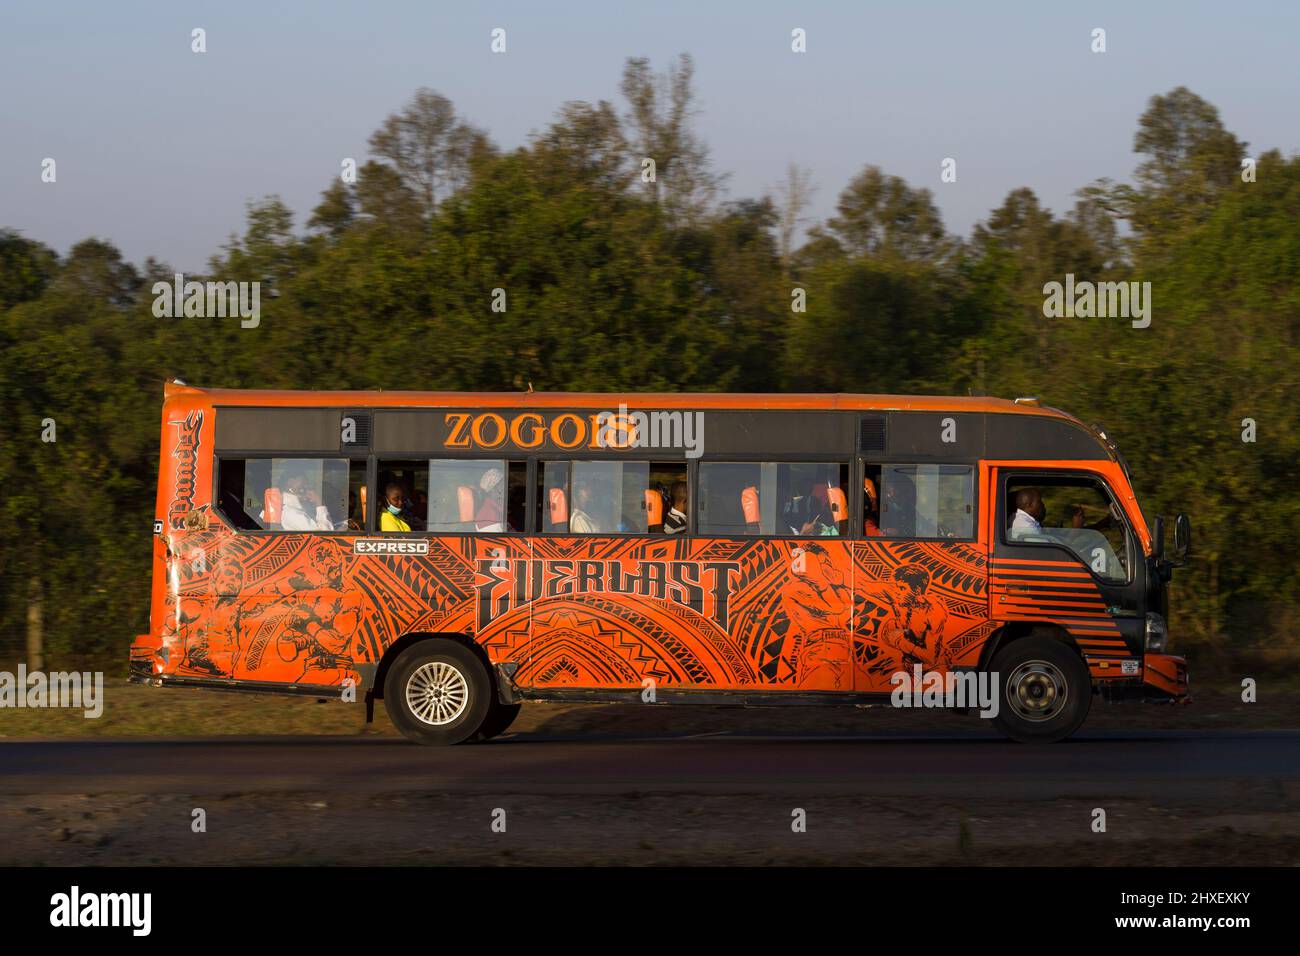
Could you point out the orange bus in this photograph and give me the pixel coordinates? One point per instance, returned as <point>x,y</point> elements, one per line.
<point>456,554</point>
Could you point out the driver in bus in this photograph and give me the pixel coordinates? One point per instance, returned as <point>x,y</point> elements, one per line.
<point>1029,516</point>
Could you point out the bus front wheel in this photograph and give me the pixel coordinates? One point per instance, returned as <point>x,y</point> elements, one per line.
<point>438,693</point>
<point>1045,690</point>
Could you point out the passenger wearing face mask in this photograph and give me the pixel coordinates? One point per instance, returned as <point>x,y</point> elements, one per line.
<point>391,518</point>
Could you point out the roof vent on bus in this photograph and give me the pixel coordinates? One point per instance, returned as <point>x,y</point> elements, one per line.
<point>354,431</point>
<point>871,434</point>
<point>1030,400</point>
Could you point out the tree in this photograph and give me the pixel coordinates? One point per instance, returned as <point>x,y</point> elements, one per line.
<point>429,147</point>
<point>1190,160</point>
<point>336,211</point>
<point>659,118</point>
<point>25,268</point>
<point>794,195</point>
<point>880,215</point>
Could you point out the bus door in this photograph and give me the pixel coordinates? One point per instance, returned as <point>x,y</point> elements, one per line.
<point>1064,554</point>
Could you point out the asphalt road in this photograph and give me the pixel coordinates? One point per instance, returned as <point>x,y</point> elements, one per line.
<point>1185,764</point>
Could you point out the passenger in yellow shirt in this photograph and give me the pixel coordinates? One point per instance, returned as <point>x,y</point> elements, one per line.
<point>390,519</point>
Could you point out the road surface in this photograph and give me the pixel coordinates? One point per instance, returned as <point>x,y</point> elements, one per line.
<point>1116,763</point>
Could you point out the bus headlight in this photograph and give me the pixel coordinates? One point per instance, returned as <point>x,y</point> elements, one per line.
<point>1157,633</point>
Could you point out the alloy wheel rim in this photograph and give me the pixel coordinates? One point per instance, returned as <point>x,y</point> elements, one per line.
<point>437,693</point>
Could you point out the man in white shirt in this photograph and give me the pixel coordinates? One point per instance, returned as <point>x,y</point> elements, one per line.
<point>579,521</point>
<point>300,507</point>
<point>1030,512</point>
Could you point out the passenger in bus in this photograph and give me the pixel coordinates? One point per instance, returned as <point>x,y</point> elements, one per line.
<point>796,513</point>
<point>811,514</point>
<point>1030,513</point>
<point>580,522</point>
<point>393,517</point>
<point>898,510</point>
<point>488,516</point>
<point>301,508</point>
<point>675,520</point>
<point>1079,518</point>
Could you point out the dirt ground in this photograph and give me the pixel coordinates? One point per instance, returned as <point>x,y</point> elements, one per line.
<point>421,829</point>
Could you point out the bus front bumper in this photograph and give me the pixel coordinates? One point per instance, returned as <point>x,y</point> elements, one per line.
<point>1163,680</point>
<point>1166,675</point>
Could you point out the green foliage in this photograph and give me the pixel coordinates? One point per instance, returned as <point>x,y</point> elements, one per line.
<point>612,283</point>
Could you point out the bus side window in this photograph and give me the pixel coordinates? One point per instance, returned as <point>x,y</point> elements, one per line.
<point>1072,512</point>
<point>289,494</point>
<point>611,497</point>
<point>927,501</point>
<point>793,499</point>
<point>473,495</point>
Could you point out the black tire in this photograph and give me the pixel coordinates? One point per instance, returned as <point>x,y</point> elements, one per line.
<point>500,717</point>
<point>1044,687</point>
<point>437,693</point>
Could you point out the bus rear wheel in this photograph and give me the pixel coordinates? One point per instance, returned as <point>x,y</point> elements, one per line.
<point>437,693</point>
<point>1045,688</point>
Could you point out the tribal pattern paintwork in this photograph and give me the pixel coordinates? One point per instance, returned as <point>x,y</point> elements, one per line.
<point>824,614</point>
<point>819,615</point>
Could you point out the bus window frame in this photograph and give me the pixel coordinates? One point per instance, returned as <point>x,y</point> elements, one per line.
<point>863,463</point>
<point>535,470</point>
<point>797,459</point>
<point>228,455</point>
<point>373,479</point>
<point>1006,475</point>
<point>856,463</point>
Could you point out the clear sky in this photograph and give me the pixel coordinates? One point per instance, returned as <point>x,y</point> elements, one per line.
<point>158,149</point>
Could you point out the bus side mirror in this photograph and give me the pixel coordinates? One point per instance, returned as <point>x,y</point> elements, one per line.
<point>1182,538</point>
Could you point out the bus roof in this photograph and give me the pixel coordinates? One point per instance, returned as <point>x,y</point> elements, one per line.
<point>609,400</point>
